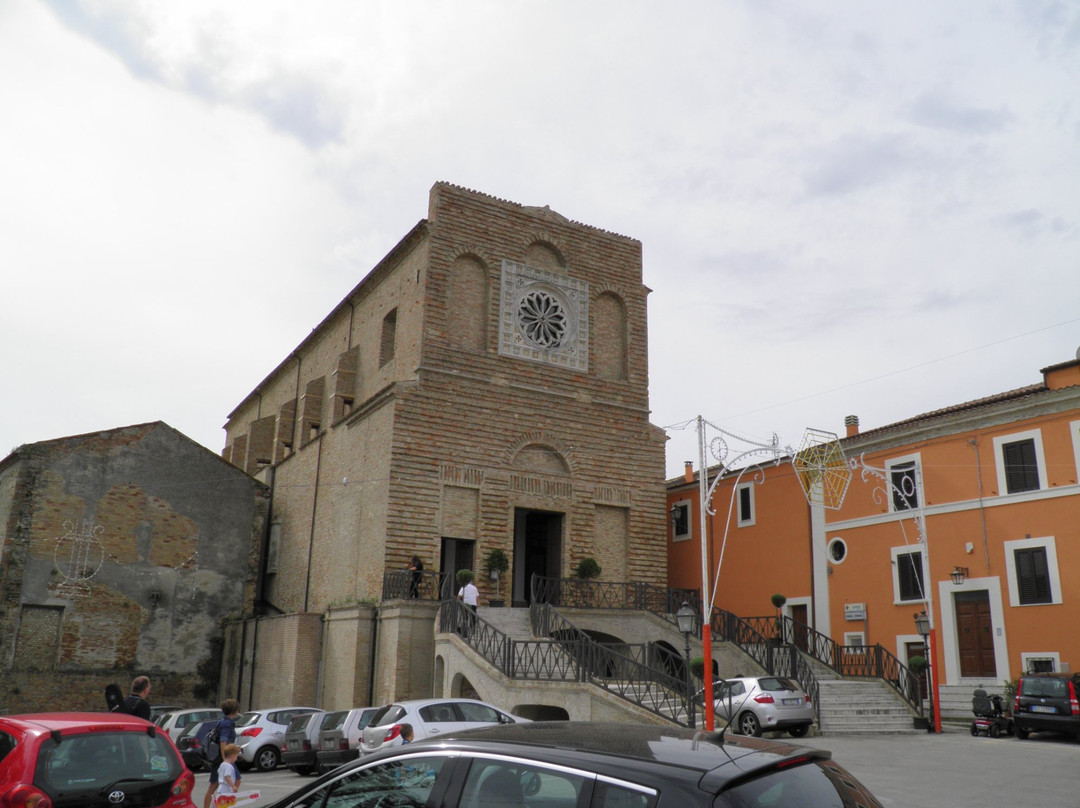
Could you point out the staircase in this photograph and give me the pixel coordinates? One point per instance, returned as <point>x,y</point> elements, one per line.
<point>862,707</point>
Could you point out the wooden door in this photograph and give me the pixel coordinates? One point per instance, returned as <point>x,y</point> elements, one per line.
<point>913,649</point>
<point>799,619</point>
<point>975,635</point>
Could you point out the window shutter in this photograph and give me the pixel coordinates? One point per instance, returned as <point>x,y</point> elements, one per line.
<point>1021,468</point>
<point>1033,576</point>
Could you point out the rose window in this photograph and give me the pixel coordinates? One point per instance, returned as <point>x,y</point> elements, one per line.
<point>542,318</point>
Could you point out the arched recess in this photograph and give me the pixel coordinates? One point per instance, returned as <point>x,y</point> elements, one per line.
<point>545,255</point>
<point>467,304</point>
<point>440,674</point>
<point>608,339</point>
<point>462,688</point>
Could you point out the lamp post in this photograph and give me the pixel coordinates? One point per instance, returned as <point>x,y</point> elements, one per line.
<point>686,618</point>
<point>922,625</point>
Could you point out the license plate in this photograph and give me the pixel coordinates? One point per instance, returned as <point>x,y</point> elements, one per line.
<point>1043,708</point>
<point>792,701</point>
<point>329,744</point>
<point>294,746</point>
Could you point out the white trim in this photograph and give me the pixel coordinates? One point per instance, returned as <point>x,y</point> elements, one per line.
<point>902,641</point>
<point>828,549</point>
<point>808,602</point>
<point>915,458</point>
<point>999,459</point>
<point>1050,545</point>
<point>1026,656</point>
<point>1074,430</point>
<point>676,537</point>
<point>905,550</point>
<point>947,631</point>
<point>850,638</point>
<point>819,559</point>
<point>738,504</point>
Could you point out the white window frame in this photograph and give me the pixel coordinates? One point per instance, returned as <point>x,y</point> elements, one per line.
<point>1027,656</point>
<point>836,540</point>
<point>855,638</point>
<point>1074,430</point>
<point>899,461</point>
<point>738,504</point>
<point>1050,545</point>
<point>999,460</point>
<point>905,550</point>
<point>683,503</point>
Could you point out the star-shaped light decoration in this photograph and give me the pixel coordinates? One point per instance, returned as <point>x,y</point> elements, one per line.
<point>822,469</point>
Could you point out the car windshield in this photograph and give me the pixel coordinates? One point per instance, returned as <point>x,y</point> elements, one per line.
<point>388,715</point>
<point>1045,688</point>
<point>247,719</point>
<point>334,720</point>
<point>98,760</point>
<point>299,723</point>
<point>821,784</point>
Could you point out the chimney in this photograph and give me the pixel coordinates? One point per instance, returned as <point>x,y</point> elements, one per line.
<point>688,471</point>
<point>852,424</point>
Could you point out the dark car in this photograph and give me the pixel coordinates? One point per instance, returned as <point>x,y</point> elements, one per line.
<point>569,764</point>
<point>90,760</point>
<point>301,745</point>
<point>339,737</point>
<point>1047,702</point>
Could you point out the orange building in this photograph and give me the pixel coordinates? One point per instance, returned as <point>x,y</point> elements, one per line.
<point>971,513</point>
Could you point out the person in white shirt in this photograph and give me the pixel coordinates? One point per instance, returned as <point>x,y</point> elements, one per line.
<point>228,776</point>
<point>470,596</point>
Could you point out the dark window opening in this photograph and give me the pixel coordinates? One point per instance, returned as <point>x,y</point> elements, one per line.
<point>1033,576</point>
<point>910,575</point>
<point>1021,466</point>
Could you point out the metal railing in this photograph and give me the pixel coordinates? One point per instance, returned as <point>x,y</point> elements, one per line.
<point>403,584</point>
<point>574,593</point>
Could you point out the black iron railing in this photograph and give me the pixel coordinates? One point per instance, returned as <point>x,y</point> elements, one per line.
<point>423,586</point>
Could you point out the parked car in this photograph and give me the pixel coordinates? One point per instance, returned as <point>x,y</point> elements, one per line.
<point>302,741</point>
<point>756,704</point>
<point>90,760</point>
<point>565,764</point>
<point>429,717</point>
<point>158,710</point>
<point>260,735</point>
<point>1047,702</point>
<point>176,722</point>
<point>190,744</point>
<point>339,737</point>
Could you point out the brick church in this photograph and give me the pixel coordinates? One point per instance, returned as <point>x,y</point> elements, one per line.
<point>484,386</point>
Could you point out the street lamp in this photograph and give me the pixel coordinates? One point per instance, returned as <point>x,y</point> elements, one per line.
<point>922,626</point>
<point>686,619</point>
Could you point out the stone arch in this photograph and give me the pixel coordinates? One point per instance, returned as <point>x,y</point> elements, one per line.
<point>544,253</point>
<point>609,340</point>
<point>462,688</point>
<point>467,302</point>
<point>440,674</point>
<point>538,448</point>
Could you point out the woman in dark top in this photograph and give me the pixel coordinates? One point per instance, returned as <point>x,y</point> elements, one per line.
<point>416,567</point>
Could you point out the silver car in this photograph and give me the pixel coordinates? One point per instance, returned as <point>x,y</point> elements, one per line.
<point>756,704</point>
<point>261,734</point>
<point>429,718</point>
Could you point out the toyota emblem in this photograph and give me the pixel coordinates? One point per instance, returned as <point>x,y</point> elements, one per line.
<point>117,797</point>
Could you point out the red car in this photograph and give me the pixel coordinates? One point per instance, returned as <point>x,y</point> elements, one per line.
<point>63,760</point>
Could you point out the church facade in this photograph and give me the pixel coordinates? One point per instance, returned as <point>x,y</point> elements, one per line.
<point>484,387</point>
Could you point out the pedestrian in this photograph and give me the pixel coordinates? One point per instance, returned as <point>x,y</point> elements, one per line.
<point>406,733</point>
<point>221,735</point>
<point>136,704</point>
<point>470,596</point>
<point>416,567</point>
<point>228,774</point>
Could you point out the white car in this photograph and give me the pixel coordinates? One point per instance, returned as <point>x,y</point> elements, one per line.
<point>176,722</point>
<point>429,718</point>
<point>339,736</point>
<point>260,735</point>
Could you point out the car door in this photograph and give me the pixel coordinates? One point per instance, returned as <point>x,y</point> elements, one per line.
<point>438,719</point>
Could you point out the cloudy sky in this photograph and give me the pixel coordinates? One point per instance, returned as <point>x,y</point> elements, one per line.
<point>870,209</point>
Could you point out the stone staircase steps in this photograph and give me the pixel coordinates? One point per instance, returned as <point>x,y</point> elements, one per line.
<point>852,707</point>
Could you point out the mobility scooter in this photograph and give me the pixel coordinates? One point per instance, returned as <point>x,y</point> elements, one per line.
<point>989,717</point>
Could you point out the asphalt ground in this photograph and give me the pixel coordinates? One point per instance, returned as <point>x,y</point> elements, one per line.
<point>948,770</point>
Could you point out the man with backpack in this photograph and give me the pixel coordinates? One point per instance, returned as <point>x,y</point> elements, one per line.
<point>220,735</point>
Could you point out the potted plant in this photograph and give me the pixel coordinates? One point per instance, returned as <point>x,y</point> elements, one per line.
<point>497,562</point>
<point>587,569</point>
<point>778,601</point>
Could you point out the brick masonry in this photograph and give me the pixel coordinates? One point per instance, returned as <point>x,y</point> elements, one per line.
<point>437,434</point>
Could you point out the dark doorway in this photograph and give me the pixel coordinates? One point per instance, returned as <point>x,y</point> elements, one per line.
<point>799,622</point>
<point>975,634</point>
<point>456,555</point>
<point>917,649</point>
<point>537,550</point>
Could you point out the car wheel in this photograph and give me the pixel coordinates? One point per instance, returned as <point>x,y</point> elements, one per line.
<point>749,725</point>
<point>1021,734</point>
<point>995,731</point>
<point>267,758</point>
<point>799,731</point>
<point>974,728</point>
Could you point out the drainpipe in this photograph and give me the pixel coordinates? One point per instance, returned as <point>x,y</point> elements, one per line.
<point>974,442</point>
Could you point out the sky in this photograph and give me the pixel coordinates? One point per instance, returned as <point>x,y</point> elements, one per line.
<point>861,209</point>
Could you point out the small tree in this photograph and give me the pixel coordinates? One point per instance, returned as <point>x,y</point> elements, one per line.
<point>497,563</point>
<point>464,577</point>
<point>587,569</point>
<point>778,601</point>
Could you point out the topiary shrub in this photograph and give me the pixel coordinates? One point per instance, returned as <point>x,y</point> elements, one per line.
<point>586,569</point>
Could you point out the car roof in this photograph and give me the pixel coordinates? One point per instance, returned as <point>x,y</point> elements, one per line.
<point>625,749</point>
<point>73,722</point>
